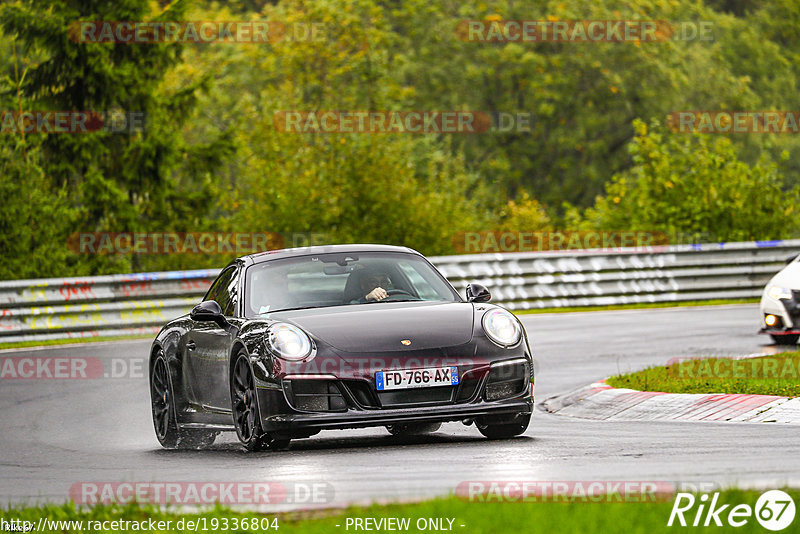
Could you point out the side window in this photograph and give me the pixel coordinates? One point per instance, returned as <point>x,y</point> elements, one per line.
<point>229,295</point>
<point>224,291</point>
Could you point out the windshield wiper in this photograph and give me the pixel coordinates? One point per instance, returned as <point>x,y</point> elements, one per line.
<point>300,308</point>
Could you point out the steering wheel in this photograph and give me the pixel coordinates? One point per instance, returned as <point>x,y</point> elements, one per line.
<point>397,293</point>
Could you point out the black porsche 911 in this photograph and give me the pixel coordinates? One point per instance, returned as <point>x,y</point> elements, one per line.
<point>290,342</point>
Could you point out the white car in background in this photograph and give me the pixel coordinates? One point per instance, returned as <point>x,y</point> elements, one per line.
<point>780,304</point>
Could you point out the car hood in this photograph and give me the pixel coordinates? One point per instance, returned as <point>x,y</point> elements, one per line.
<point>380,327</point>
<point>789,277</point>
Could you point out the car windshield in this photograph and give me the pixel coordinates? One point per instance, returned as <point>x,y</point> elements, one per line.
<point>339,279</point>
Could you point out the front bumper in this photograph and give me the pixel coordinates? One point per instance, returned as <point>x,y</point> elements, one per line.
<point>302,405</point>
<point>292,424</point>
<point>779,332</point>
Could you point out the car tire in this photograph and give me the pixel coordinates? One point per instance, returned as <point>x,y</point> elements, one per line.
<point>413,429</point>
<point>165,424</point>
<point>162,403</point>
<point>244,406</point>
<point>789,339</point>
<point>504,430</point>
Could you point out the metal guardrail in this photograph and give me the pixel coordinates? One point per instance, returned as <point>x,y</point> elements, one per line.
<point>115,305</point>
<point>140,303</point>
<point>522,281</point>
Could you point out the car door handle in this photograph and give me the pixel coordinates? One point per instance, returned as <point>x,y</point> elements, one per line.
<point>191,345</point>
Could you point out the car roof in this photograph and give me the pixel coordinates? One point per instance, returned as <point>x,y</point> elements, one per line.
<point>321,249</point>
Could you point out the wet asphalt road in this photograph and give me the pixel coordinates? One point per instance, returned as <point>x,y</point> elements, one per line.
<point>56,433</point>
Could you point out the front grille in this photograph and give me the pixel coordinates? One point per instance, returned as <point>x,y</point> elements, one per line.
<point>416,396</point>
<point>793,306</point>
<point>314,395</point>
<point>507,381</point>
<point>362,392</point>
<point>468,385</point>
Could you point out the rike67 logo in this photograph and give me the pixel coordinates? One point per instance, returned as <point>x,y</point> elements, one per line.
<point>774,510</point>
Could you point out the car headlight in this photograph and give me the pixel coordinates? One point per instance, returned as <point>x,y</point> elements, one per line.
<point>289,342</point>
<point>501,327</point>
<point>778,292</point>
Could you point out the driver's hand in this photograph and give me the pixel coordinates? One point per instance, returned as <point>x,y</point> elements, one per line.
<point>377,294</point>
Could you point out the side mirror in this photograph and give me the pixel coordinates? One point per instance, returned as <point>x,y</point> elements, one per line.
<point>478,293</point>
<point>791,258</point>
<point>208,310</point>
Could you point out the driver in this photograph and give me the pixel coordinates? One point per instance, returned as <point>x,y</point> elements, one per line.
<point>374,286</point>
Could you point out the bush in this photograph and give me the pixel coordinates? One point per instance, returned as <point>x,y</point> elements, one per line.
<point>695,184</point>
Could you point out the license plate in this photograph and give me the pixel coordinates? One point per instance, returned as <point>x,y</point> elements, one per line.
<point>416,378</point>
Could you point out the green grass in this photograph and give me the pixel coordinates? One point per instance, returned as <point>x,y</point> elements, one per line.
<point>766,375</point>
<point>51,342</point>
<point>477,518</point>
<point>638,306</point>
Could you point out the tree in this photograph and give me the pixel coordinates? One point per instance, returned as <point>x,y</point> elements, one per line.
<point>404,189</point>
<point>121,182</point>
<point>695,184</point>
<point>583,96</point>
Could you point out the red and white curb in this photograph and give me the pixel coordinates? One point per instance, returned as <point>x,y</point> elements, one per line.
<point>601,401</point>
